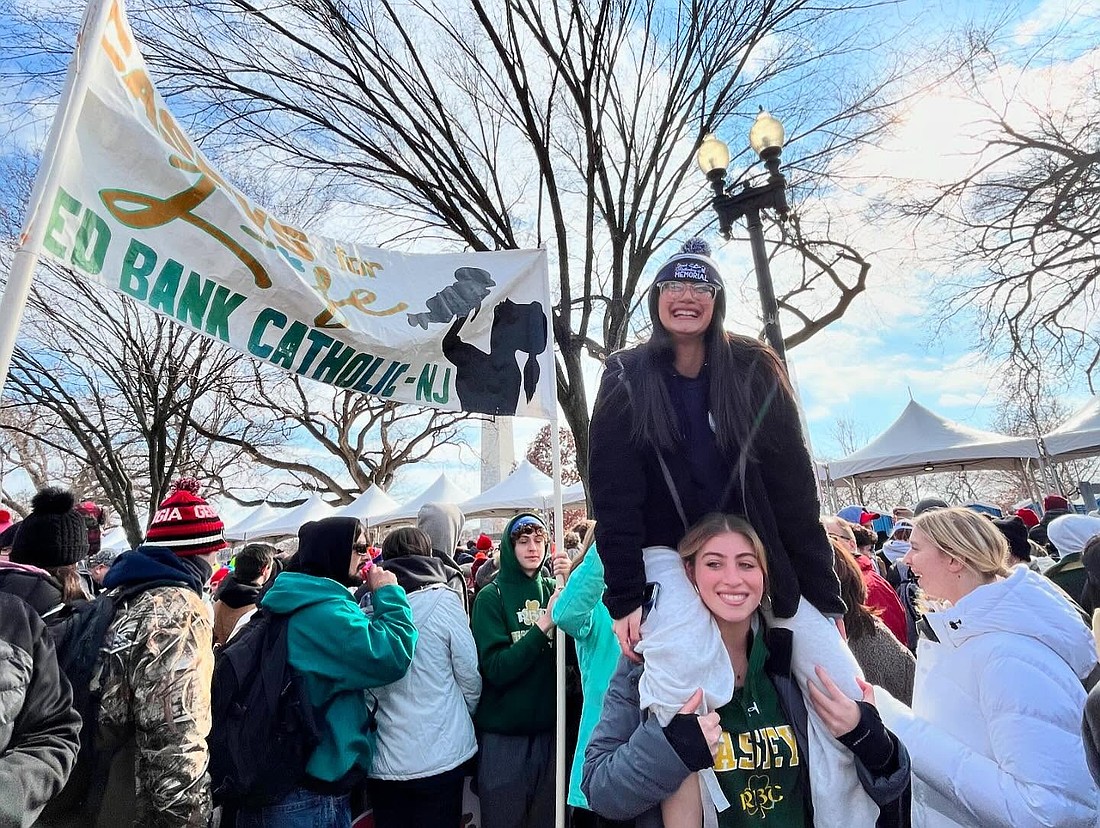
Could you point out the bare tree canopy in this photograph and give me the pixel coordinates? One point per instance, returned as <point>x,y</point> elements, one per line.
<point>1023,223</point>
<point>516,124</point>
<point>109,389</point>
<point>322,438</point>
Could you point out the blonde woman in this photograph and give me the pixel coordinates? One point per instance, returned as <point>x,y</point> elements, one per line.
<point>995,728</point>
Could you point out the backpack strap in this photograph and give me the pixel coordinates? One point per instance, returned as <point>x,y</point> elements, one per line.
<point>1092,678</point>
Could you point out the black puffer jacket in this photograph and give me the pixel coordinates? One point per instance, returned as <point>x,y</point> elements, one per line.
<point>35,586</point>
<point>635,507</point>
<point>39,730</point>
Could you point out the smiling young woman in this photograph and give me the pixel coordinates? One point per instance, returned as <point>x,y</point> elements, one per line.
<point>995,726</point>
<point>756,744</point>
<point>700,420</point>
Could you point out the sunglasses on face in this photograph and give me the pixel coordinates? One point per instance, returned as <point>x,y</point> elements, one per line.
<point>360,549</point>
<point>698,290</point>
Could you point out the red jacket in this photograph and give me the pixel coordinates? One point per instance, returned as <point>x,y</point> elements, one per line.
<point>881,596</point>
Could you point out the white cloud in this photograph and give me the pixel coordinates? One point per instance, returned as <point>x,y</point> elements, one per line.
<point>1054,14</point>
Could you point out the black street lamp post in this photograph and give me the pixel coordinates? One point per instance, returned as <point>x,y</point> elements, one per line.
<point>766,138</point>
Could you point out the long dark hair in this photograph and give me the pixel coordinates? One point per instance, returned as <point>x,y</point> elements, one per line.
<point>859,618</point>
<point>744,377</point>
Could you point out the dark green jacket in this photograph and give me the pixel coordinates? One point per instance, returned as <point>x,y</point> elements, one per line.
<point>515,657</point>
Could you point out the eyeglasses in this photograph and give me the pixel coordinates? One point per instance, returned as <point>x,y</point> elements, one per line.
<point>360,548</point>
<point>698,290</point>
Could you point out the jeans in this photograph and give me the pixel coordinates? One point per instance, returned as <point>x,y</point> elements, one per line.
<point>300,808</point>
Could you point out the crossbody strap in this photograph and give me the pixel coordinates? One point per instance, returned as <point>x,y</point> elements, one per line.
<point>677,502</point>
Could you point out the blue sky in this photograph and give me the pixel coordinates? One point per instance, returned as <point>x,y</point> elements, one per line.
<point>865,366</point>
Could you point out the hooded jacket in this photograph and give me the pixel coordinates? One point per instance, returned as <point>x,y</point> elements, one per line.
<point>1070,534</point>
<point>580,613</point>
<point>515,656</point>
<point>442,522</point>
<point>233,600</point>
<point>156,692</point>
<point>338,651</point>
<point>995,728</point>
<point>38,726</point>
<point>1040,533</point>
<point>425,724</point>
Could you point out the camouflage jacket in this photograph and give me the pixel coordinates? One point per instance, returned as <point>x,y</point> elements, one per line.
<point>155,681</point>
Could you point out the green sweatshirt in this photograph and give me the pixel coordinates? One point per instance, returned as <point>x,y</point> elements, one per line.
<point>340,653</point>
<point>515,656</point>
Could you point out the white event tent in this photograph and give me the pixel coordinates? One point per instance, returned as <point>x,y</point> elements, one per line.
<point>443,490</point>
<point>525,488</point>
<point>921,441</point>
<point>246,526</point>
<point>1078,436</point>
<point>369,505</point>
<point>288,523</point>
<point>115,540</point>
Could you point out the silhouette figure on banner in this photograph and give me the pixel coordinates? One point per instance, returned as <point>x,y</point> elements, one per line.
<point>465,295</point>
<point>490,383</point>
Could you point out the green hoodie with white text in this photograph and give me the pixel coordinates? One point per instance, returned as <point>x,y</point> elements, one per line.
<point>515,657</point>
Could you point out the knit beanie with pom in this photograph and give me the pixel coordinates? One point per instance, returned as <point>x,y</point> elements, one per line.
<point>53,534</point>
<point>185,523</point>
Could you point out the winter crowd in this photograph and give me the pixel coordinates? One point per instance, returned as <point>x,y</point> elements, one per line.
<point>734,658</point>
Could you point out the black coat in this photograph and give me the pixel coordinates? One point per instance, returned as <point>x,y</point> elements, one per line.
<point>42,592</point>
<point>634,506</point>
<point>39,730</point>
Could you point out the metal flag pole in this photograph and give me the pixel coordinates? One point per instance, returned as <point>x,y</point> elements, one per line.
<point>559,644</point>
<point>58,144</point>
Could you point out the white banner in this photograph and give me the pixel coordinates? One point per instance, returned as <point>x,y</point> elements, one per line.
<point>139,209</point>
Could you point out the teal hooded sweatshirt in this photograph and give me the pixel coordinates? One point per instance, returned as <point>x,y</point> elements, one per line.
<point>581,614</point>
<point>340,654</point>
<point>515,656</point>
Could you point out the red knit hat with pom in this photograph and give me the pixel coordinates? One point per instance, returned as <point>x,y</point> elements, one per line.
<point>185,523</point>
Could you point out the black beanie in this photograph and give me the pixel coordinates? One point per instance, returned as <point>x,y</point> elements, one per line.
<point>324,548</point>
<point>928,504</point>
<point>53,534</point>
<point>1015,532</point>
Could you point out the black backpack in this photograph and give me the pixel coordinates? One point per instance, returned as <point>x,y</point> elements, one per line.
<point>264,728</point>
<point>78,632</point>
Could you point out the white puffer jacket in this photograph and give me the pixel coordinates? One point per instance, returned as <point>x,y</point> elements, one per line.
<point>424,719</point>
<point>995,730</point>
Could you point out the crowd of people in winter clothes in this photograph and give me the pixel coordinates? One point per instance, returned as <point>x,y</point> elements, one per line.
<point>736,658</point>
